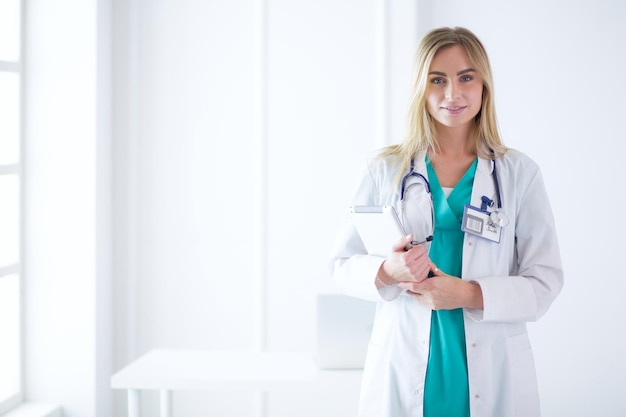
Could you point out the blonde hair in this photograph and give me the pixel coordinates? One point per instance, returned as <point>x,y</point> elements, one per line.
<point>420,131</point>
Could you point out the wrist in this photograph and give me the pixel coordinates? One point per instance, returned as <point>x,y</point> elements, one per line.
<point>382,278</point>
<point>475,299</point>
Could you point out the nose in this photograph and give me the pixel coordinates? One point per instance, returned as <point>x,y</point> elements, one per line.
<point>453,91</point>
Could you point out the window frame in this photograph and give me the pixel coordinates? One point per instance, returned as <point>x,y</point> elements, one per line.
<point>17,169</point>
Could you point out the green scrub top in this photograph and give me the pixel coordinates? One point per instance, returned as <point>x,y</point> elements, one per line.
<point>446,392</point>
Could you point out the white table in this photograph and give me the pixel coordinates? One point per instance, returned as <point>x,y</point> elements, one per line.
<point>170,370</point>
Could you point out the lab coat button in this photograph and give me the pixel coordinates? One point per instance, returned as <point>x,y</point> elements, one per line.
<point>416,392</point>
<point>473,344</point>
<point>477,396</point>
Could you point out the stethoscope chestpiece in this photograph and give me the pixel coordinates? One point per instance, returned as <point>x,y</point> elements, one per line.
<point>499,218</point>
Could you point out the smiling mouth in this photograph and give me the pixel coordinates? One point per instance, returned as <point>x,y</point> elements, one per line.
<point>454,109</point>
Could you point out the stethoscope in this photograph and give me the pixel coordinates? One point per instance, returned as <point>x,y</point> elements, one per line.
<point>496,217</point>
<point>403,189</point>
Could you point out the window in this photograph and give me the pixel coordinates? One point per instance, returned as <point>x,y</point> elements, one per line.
<point>10,202</point>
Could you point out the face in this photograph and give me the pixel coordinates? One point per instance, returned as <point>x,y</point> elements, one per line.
<point>454,92</point>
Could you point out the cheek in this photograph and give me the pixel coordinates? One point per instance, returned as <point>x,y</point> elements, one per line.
<point>432,103</point>
<point>477,96</point>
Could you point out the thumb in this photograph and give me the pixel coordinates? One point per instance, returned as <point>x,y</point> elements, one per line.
<point>401,245</point>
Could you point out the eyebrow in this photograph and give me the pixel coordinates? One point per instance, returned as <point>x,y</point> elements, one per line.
<point>443,74</point>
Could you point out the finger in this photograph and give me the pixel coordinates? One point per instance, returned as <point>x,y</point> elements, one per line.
<point>434,269</point>
<point>411,287</point>
<point>419,262</point>
<point>417,251</point>
<point>408,286</point>
<point>401,245</point>
<point>420,272</point>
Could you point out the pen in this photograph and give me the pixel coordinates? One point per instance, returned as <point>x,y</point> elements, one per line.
<point>415,242</point>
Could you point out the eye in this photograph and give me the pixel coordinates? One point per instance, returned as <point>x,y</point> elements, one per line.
<point>438,80</point>
<point>466,78</point>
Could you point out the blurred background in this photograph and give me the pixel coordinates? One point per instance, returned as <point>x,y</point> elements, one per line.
<point>184,165</point>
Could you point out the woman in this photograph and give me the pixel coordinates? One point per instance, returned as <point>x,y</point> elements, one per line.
<point>454,344</point>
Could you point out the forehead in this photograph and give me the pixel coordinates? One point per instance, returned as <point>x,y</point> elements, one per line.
<point>452,57</point>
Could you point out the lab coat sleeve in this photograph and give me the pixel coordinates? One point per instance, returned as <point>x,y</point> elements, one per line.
<point>528,294</point>
<point>352,269</point>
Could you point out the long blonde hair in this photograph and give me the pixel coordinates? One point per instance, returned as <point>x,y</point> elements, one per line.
<point>420,130</point>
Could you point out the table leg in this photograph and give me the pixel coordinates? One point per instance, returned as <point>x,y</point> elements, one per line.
<point>260,403</point>
<point>166,403</point>
<point>133,403</point>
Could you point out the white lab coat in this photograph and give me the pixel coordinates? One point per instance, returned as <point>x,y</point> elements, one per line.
<point>519,278</point>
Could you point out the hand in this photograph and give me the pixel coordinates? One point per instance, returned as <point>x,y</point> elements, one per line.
<point>401,265</point>
<point>445,292</point>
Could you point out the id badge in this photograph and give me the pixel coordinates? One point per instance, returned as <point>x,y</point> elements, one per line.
<point>478,223</point>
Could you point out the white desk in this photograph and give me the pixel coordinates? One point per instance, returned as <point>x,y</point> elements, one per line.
<point>170,370</point>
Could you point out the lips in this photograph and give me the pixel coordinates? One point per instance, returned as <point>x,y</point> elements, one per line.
<point>454,109</point>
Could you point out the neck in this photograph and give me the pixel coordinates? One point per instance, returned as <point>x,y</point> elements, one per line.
<point>455,142</point>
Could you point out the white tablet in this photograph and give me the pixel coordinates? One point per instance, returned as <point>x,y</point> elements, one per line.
<point>378,226</point>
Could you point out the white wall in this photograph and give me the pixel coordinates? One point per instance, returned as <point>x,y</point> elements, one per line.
<point>190,252</point>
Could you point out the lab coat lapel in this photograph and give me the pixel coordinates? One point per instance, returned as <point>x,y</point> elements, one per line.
<point>483,182</point>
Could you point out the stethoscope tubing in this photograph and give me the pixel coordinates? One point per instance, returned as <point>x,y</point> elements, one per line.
<point>428,191</point>
<point>497,185</point>
<point>412,172</point>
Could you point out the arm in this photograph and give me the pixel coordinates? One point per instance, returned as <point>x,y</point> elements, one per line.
<point>372,277</point>
<point>536,278</point>
<point>352,269</point>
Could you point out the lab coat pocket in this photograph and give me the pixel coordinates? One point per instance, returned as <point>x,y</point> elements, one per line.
<point>523,376</point>
<point>518,343</point>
